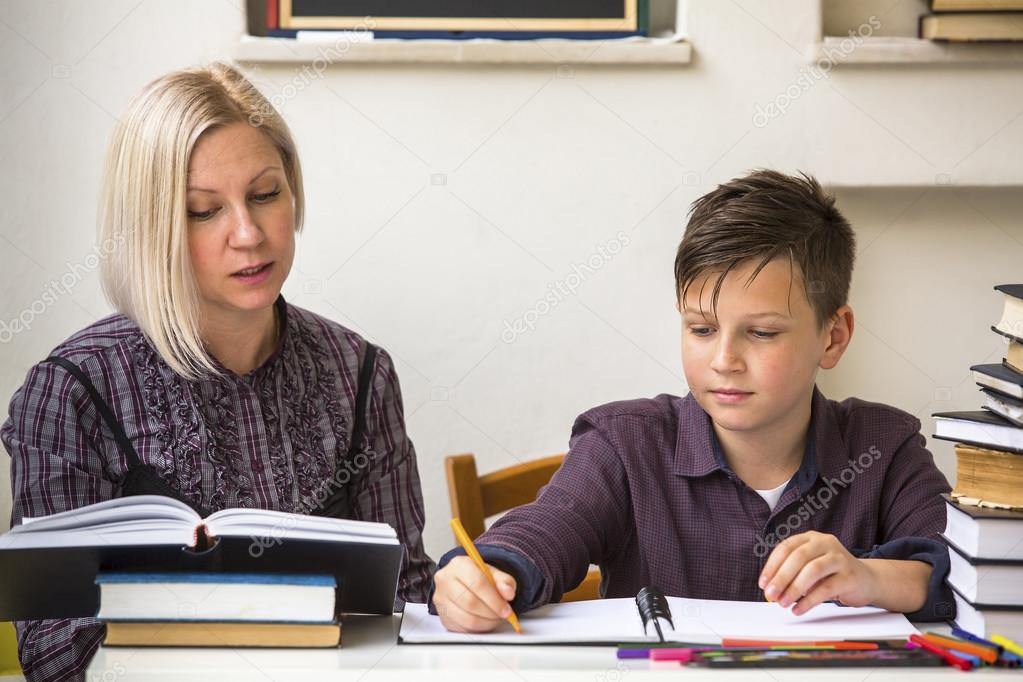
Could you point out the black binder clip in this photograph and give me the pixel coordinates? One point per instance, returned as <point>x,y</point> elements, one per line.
<point>653,605</point>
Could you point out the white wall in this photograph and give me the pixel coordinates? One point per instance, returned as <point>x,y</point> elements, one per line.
<point>540,168</point>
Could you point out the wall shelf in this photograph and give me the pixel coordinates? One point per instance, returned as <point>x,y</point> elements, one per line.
<point>657,51</point>
<point>906,50</point>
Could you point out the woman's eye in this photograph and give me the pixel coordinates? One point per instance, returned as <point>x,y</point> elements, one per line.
<point>764,335</point>
<point>202,215</point>
<point>699,331</point>
<point>269,196</point>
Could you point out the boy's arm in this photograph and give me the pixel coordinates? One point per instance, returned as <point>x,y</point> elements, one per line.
<point>549,544</point>
<point>912,516</point>
<point>904,572</point>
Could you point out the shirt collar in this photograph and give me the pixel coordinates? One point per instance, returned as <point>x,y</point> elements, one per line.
<point>698,452</point>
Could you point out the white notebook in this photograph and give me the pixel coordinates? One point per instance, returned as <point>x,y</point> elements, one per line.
<point>613,621</point>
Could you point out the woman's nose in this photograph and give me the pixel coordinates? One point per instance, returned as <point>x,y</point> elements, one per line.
<point>245,232</point>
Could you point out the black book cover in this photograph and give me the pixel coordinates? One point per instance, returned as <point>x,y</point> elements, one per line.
<point>59,582</point>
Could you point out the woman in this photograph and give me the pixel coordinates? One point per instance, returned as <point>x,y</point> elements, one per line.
<point>221,393</point>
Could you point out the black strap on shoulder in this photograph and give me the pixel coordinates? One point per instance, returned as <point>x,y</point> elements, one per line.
<point>362,392</point>
<point>338,503</point>
<point>104,409</point>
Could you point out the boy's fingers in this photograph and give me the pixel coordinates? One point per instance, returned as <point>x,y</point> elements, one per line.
<point>479,588</point>
<point>815,571</point>
<point>789,569</point>
<point>823,591</point>
<point>778,556</point>
<point>505,583</point>
<point>457,619</point>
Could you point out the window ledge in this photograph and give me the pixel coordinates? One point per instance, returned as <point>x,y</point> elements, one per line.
<point>553,51</point>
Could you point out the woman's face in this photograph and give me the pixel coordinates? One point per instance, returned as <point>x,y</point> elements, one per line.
<point>241,221</point>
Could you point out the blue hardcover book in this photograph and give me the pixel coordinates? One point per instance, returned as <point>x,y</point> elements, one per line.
<point>221,597</point>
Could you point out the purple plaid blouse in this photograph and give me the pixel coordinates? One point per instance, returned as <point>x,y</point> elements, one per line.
<point>646,494</point>
<point>269,439</point>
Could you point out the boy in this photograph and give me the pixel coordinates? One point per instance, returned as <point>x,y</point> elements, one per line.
<point>754,486</point>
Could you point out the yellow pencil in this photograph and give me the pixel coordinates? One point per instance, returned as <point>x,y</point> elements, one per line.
<point>466,542</point>
<point>1007,644</point>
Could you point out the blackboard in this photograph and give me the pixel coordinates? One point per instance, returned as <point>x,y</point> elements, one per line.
<point>479,15</point>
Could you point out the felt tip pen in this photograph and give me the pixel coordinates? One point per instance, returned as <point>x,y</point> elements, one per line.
<point>950,658</point>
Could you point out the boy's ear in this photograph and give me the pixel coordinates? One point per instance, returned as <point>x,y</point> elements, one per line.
<point>839,334</point>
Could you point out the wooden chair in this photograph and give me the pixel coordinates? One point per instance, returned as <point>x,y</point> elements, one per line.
<point>8,650</point>
<point>474,498</point>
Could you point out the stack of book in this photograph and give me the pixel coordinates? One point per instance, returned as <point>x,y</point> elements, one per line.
<point>984,527</point>
<point>986,553</point>
<point>973,21</point>
<point>166,577</point>
<point>218,609</point>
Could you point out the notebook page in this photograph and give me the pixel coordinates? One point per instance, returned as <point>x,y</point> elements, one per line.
<point>602,620</point>
<point>696,619</point>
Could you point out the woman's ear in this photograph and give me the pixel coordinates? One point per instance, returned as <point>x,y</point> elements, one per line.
<point>839,334</point>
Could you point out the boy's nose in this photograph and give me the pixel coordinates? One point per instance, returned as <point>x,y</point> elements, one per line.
<point>726,358</point>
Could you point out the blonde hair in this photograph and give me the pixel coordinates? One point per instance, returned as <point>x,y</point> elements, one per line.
<point>147,274</point>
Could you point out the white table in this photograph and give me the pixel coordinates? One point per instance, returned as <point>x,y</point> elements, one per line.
<point>369,653</point>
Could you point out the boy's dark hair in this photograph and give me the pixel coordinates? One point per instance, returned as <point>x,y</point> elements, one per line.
<point>766,215</point>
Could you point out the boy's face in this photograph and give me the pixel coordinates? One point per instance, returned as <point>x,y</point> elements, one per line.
<point>756,362</point>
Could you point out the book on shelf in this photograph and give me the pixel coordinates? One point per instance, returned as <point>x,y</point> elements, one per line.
<point>995,582</point>
<point>976,5</point>
<point>1014,355</point>
<point>969,27</point>
<point>222,634</point>
<point>50,563</point>
<point>982,428</point>
<point>1003,405</point>
<point>281,598</point>
<point>984,620</point>
<point>1011,323</point>
<point>983,532</point>
<point>985,549</point>
<point>1000,378</point>
<point>994,476</point>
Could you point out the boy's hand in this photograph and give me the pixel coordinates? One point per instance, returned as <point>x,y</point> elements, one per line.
<point>465,599</point>
<point>811,568</point>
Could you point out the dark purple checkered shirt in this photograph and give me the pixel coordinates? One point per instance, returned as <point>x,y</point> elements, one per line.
<point>269,439</point>
<point>645,494</point>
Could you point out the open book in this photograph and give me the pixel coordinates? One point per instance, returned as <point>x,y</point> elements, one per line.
<point>50,563</point>
<point>697,621</point>
<point>159,520</point>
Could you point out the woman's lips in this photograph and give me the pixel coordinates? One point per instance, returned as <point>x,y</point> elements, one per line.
<point>254,275</point>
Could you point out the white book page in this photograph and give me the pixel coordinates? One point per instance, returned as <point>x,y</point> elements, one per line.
<point>601,620</point>
<point>265,522</point>
<point>117,509</point>
<point>698,619</point>
<point>695,620</point>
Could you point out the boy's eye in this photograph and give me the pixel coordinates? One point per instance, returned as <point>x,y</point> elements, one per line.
<point>763,335</point>
<point>700,331</point>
